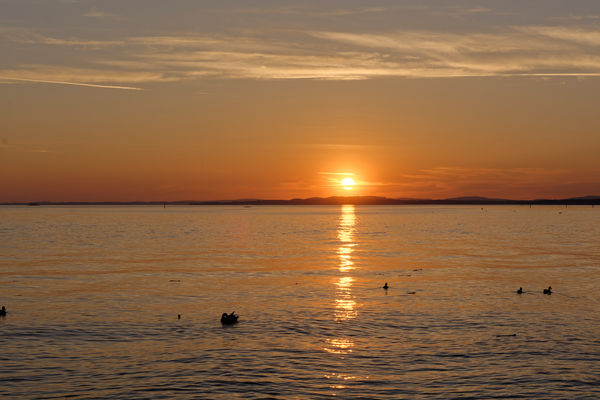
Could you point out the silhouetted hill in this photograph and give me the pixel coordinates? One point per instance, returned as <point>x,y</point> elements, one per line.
<point>475,199</point>
<point>375,200</point>
<point>586,198</point>
<point>339,200</point>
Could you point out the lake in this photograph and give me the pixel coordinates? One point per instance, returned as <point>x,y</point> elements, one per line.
<point>93,295</point>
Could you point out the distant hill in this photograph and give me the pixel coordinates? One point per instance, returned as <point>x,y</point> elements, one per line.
<point>375,200</point>
<point>586,198</point>
<point>339,200</point>
<point>475,199</point>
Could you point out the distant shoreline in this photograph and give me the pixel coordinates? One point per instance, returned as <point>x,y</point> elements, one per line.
<point>336,200</point>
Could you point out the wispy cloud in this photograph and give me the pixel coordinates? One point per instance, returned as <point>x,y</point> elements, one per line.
<point>334,179</point>
<point>298,10</point>
<point>577,36</point>
<point>89,77</point>
<point>96,13</point>
<point>535,51</point>
<point>68,83</point>
<point>477,10</point>
<point>448,181</point>
<point>344,147</point>
<point>330,55</point>
<point>27,36</point>
<point>5,146</point>
<point>337,173</point>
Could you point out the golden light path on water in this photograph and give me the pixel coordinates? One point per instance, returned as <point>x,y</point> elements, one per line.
<point>345,305</point>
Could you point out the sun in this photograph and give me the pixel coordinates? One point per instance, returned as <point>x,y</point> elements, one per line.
<point>348,183</point>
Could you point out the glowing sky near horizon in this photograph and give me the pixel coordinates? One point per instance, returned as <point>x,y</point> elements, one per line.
<point>189,100</point>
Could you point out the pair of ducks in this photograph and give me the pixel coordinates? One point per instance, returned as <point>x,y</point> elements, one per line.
<point>546,291</point>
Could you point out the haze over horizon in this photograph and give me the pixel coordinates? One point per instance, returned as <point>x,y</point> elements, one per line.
<point>144,100</point>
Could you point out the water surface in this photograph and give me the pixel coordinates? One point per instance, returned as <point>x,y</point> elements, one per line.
<point>93,295</point>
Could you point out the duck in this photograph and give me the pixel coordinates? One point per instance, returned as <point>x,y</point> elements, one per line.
<point>229,319</point>
<point>3,312</point>
<point>548,291</point>
<point>385,286</point>
<point>520,291</point>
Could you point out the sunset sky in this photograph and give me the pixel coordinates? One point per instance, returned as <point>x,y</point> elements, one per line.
<point>123,100</point>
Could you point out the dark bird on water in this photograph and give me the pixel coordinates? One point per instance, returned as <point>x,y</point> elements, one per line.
<point>229,319</point>
<point>3,312</point>
<point>548,291</point>
<point>520,291</point>
<point>386,286</point>
<point>178,316</point>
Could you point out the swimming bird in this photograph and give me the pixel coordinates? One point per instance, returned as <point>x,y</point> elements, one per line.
<point>229,319</point>
<point>3,312</point>
<point>520,291</point>
<point>548,291</point>
<point>385,286</point>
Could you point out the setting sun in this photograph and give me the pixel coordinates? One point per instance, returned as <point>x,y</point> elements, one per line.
<point>347,183</point>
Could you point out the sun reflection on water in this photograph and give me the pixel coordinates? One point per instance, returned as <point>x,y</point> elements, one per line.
<point>345,233</point>
<point>344,302</point>
<point>345,305</point>
<point>339,346</point>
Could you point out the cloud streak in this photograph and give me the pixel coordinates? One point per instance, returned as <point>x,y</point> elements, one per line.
<point>96,13</point>
<point>68,83</point>
<point>537,51</point>
<point>337,173</point>
<point>448,181</point>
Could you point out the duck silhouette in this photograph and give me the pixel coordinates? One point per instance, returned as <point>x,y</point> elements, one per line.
<point>385,286</point>
<point>548,291</point>
<point>3,312</point>
<point>520,291</point>
<point>229,319</point>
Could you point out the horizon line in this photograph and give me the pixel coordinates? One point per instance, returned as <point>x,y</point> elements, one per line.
<point>334,200</point>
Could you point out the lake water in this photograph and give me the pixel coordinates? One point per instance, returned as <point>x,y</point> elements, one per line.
<point>93,295</point>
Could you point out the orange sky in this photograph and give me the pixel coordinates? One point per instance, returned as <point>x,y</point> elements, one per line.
<point>103,103</point>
